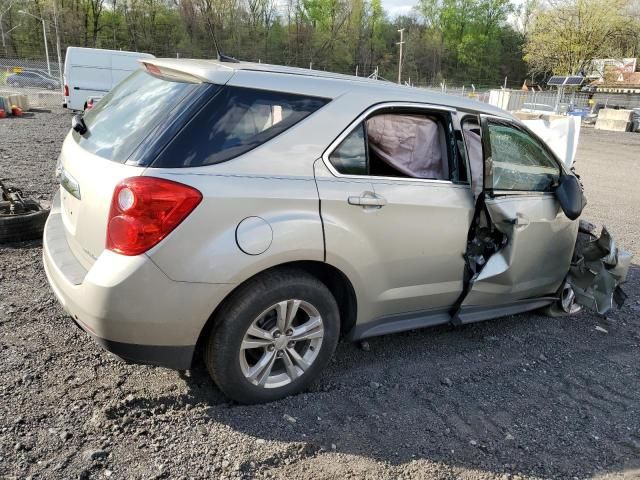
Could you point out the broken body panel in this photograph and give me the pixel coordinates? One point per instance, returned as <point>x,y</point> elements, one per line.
<point>521,243</point>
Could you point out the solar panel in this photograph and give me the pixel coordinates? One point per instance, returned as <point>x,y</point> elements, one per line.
<point>564,80</point>
<point>574,80</point>
<point>556,80</point>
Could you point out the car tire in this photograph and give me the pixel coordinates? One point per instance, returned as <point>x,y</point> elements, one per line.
<point>255,305</point>
<point>24,226</point>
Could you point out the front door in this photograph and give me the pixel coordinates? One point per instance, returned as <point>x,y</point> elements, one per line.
<point>520,175</point>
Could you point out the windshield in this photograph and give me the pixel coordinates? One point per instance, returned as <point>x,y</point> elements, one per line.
<point>129,113</point>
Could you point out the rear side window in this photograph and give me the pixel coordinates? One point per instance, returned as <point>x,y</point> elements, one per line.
<point>411,144</point>
<point>235,121</point>
<point>350,158</point>
<point>129,113</point>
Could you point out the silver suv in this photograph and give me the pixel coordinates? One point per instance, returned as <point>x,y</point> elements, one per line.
<point>261,212</point>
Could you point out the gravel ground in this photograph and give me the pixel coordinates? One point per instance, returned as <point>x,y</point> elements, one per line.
<point>519,397</point>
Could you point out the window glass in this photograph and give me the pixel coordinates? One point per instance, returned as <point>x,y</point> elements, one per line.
<point>351,155</point>
<point>473,143</point>
<point>404,145</point>
<point>235,121</point>
<point>127,114</point>
<point>519,162</point>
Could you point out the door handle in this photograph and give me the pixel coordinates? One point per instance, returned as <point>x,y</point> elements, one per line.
<point>519,221</point>
<point>364,200</point>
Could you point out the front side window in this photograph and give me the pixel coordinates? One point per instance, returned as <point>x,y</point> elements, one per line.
<point>518,161</point>
<point>235,121</point>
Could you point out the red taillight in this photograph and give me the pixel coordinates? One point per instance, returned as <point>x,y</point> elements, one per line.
<point>66,90</point>
<point>144,210</point>
<point>90,104</point>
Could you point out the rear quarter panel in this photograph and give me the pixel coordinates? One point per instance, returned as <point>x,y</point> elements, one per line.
<point>204,249</point>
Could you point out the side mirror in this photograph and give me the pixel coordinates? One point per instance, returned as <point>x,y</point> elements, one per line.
<point>570,196</point>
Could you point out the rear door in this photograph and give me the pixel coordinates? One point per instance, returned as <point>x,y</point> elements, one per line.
<point>402,238</point>
<point>520,174</point>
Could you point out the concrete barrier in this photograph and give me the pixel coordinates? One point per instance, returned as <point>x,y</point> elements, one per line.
<point>18,100</point>
<point>614,120</point>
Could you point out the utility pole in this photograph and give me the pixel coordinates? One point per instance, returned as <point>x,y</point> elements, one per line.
<point>401,42</point>
<point>55,24</point>
<point>2,32</point>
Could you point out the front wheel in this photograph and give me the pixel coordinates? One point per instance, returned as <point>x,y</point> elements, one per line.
<point>273,337</point>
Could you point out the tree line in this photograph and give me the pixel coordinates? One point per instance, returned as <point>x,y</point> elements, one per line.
<point>453,41</point>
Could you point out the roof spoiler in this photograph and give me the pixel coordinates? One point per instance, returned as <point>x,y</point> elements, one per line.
<point>170,73</point>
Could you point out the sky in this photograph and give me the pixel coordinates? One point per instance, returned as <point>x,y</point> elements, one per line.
<point>403,7</point>
<point>398,7</point>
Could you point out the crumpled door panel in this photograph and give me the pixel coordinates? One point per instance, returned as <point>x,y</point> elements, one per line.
<point>534,259</point>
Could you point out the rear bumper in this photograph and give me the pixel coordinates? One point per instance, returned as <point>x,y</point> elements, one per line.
<point>127,304</point>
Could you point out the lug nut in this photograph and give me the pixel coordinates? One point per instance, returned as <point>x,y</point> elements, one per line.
<point>271,348</point>
<point>276,334</point>
<point>289,332</point>
<point>291,344</point>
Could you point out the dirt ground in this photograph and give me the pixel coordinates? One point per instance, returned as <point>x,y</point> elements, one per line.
<point>519,397</point>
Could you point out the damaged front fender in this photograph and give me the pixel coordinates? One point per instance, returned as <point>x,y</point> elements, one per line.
<point>597,270</point>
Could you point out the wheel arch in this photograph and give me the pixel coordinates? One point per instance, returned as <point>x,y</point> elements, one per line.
<point>336,281</point>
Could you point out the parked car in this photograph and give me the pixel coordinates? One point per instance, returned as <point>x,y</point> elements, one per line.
<point>92,72</point>
<point>261,212</point>
<point>32,79</point>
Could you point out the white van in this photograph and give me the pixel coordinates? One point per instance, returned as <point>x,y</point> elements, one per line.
<point>92,72</point>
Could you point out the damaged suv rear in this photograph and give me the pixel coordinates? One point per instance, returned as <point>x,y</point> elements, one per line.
<point>261,212</point>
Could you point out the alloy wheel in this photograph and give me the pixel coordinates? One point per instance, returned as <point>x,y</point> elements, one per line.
<point>281,344</point>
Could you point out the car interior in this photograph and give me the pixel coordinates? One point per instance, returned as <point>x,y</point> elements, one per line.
<point>407,145</point>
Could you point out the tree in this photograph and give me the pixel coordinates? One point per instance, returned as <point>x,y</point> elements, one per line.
<point>565,37</point>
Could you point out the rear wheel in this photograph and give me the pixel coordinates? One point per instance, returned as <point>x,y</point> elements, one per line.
<point>273,337</point>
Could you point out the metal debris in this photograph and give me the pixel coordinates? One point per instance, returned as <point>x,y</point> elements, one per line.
<point>597,269</point>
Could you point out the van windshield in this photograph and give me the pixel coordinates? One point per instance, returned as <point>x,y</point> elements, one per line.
<point>127,115</point>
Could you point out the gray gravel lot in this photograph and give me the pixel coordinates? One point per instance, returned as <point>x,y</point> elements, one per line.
<point>519,397</point>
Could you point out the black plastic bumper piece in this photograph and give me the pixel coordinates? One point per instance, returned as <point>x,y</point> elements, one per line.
<point>168,356</point>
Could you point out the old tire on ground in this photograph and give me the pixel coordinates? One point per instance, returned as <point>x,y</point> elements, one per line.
<point>24,226</point>
<point>250,358</point>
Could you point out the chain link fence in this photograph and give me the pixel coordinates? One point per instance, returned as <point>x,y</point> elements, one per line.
<point>40,81</point>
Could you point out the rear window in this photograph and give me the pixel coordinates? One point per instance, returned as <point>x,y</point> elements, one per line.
<point>130,112</point>
<point>235,121</point>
